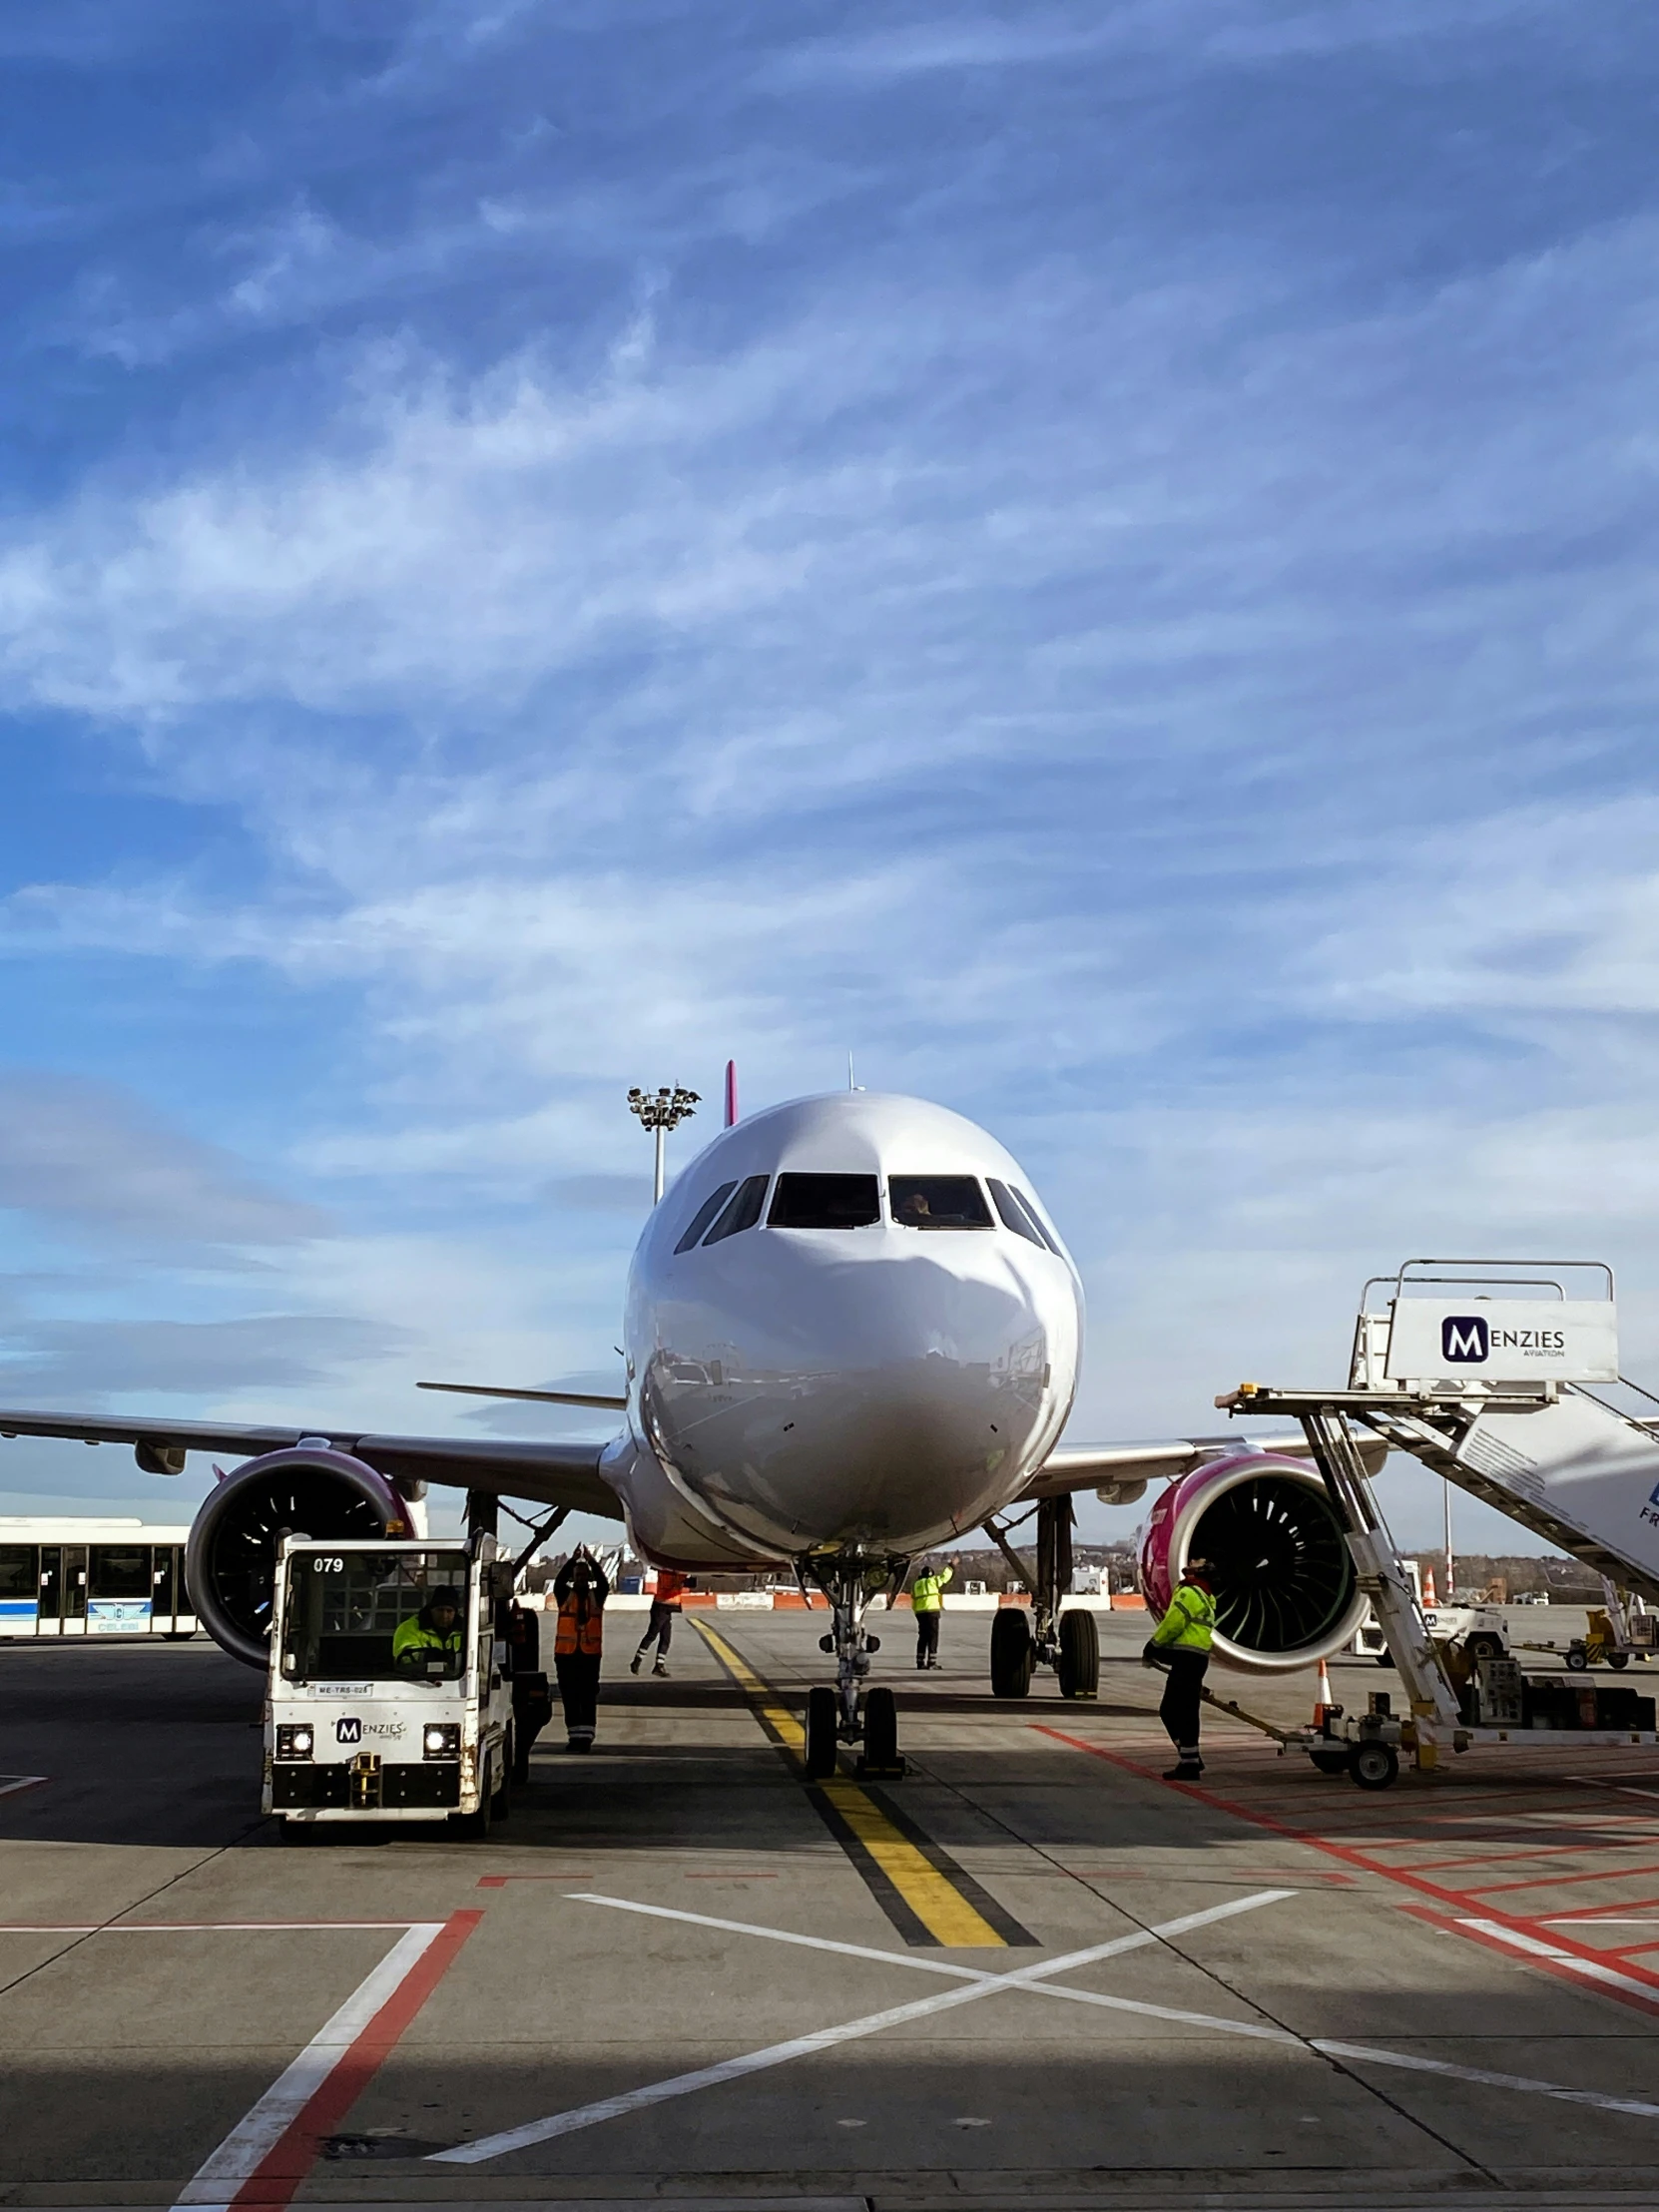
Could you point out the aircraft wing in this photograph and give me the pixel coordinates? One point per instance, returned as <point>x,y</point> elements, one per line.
<point>555,1473</point>
<point>1118,1474</point>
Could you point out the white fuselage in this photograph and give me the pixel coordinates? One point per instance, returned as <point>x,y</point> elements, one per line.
<point>874,1388</point>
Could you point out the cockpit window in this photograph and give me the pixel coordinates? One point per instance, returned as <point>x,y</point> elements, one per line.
<point>704,1215</point>
<point>743,1211</point>
<point>938,1202</point>
<point>825,1201</point>
<point>1013,1215</point>
<point>1036,1221</point>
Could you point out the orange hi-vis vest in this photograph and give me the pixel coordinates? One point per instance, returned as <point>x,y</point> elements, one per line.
<point>580,1626</point>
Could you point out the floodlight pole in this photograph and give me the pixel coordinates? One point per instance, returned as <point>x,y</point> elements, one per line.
<point>659,1111</point>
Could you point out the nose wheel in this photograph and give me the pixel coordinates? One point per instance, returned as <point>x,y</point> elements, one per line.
<point>850,1713</point>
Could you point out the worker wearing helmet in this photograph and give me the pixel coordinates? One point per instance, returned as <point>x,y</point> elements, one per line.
<point>927,1602</point>
<point>1181,1643</point>
<point>434,1633</point>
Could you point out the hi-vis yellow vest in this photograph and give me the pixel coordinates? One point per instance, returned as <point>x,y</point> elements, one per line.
<point>1189,1621</point>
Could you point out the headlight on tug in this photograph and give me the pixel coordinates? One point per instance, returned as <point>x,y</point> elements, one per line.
<point>295,1742</point>
<point>442,1740</point>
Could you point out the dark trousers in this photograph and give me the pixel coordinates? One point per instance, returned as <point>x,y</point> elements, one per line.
<point>659,1628</point>
<point>578,1673</point>
<point>928,1637</point>
<point>1179,1707</point>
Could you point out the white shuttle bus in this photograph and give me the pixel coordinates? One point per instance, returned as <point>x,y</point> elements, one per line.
<point>93,1578</point>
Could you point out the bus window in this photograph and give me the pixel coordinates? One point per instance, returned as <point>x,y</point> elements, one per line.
<point>119,1589</point>
<point>18,1586</point>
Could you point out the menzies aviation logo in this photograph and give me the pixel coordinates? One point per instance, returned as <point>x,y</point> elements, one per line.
<point>350,1731</point>
<point>1465,1340</point>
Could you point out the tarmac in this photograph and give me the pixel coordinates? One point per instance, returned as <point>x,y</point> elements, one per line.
<point>1031,1972</point>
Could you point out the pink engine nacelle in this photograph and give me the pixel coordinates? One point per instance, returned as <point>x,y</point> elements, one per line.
<point>1287,1585</point>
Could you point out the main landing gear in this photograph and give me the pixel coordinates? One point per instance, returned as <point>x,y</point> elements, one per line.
<point>1067,1642</point>
<point>850,1713</point>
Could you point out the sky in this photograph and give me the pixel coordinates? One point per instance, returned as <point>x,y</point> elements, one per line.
<point>1099,557</point>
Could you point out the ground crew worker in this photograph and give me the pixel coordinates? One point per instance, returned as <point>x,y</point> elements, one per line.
<point>1181,1641</point>
<point>580,1590</point>
<point>927,1602</point>
<point>432,1633</point>
<point>665,1604</point>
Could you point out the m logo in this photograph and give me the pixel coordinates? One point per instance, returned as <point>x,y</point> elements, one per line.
<point>1465,1340</point>
<point>348,1732</point>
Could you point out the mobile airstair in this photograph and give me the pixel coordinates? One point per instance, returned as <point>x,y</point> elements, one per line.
<point>1504,1377</point>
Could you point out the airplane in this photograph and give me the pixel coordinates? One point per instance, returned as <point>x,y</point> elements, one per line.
<point>851,1336</point>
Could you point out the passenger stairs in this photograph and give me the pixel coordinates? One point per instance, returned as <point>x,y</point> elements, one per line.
<point>1504,1377</point>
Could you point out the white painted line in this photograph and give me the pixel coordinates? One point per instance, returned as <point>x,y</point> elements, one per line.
<point>1369,2057</point>
<point>978,1985</point>
<point>184,1928</point>
<point>1031,1981</point>
<point>1590,1968</point>
<point>1594,1919</point>
<point>19,1782</point>
<point>256,2134</point>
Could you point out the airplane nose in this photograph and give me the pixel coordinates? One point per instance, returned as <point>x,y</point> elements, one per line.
<point>883,1401</point>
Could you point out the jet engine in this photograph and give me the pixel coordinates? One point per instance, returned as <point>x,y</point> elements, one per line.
<point>308,1490</point>
<point>1286,1591</point>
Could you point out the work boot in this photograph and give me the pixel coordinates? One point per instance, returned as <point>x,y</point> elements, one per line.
<point>658,1668</point>
<point>637,1662</point>
<point>1190,1770</point>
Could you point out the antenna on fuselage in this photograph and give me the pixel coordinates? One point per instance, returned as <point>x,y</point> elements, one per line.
<point>731,1094</point>
<point>851,1084</point>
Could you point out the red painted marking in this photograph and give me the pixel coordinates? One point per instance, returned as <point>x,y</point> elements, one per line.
<point>1557,1967</point>
<point>1561,1881</point>
<point>277,2178</point>
<point>501,1880</point>
<point>1457,1901</point>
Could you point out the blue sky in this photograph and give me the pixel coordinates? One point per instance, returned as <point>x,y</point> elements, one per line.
<point>1100,556</point>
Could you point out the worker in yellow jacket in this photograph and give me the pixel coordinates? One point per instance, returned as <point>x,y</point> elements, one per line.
<point>927,1602</point>
<point>1181,1643</point>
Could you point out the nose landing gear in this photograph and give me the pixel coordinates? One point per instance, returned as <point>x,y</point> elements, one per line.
<point>848,1713</point>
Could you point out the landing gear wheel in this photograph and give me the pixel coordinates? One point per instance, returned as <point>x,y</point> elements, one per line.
<point>1578,1659</point>
<point>821,1733</point>
<point>880,1732</point>
<point>1080,1662</point>
<point>1011,1652</point>
<point>1618,1660</point>
<point>501,1804</point>
<point>1373,1766</point>
<point>1330,1761</point>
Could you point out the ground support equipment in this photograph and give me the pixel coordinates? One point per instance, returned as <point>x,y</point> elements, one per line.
<point>1548,1450</point>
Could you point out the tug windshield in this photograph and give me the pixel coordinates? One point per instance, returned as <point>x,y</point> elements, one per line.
<point>366,1616</point>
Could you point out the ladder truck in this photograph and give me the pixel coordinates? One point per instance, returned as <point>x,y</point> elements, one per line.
<point>1502,1376</point>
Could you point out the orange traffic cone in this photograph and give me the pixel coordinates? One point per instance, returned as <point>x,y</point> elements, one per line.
<point>1429,1598</point>
<point>1323,1701</point>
